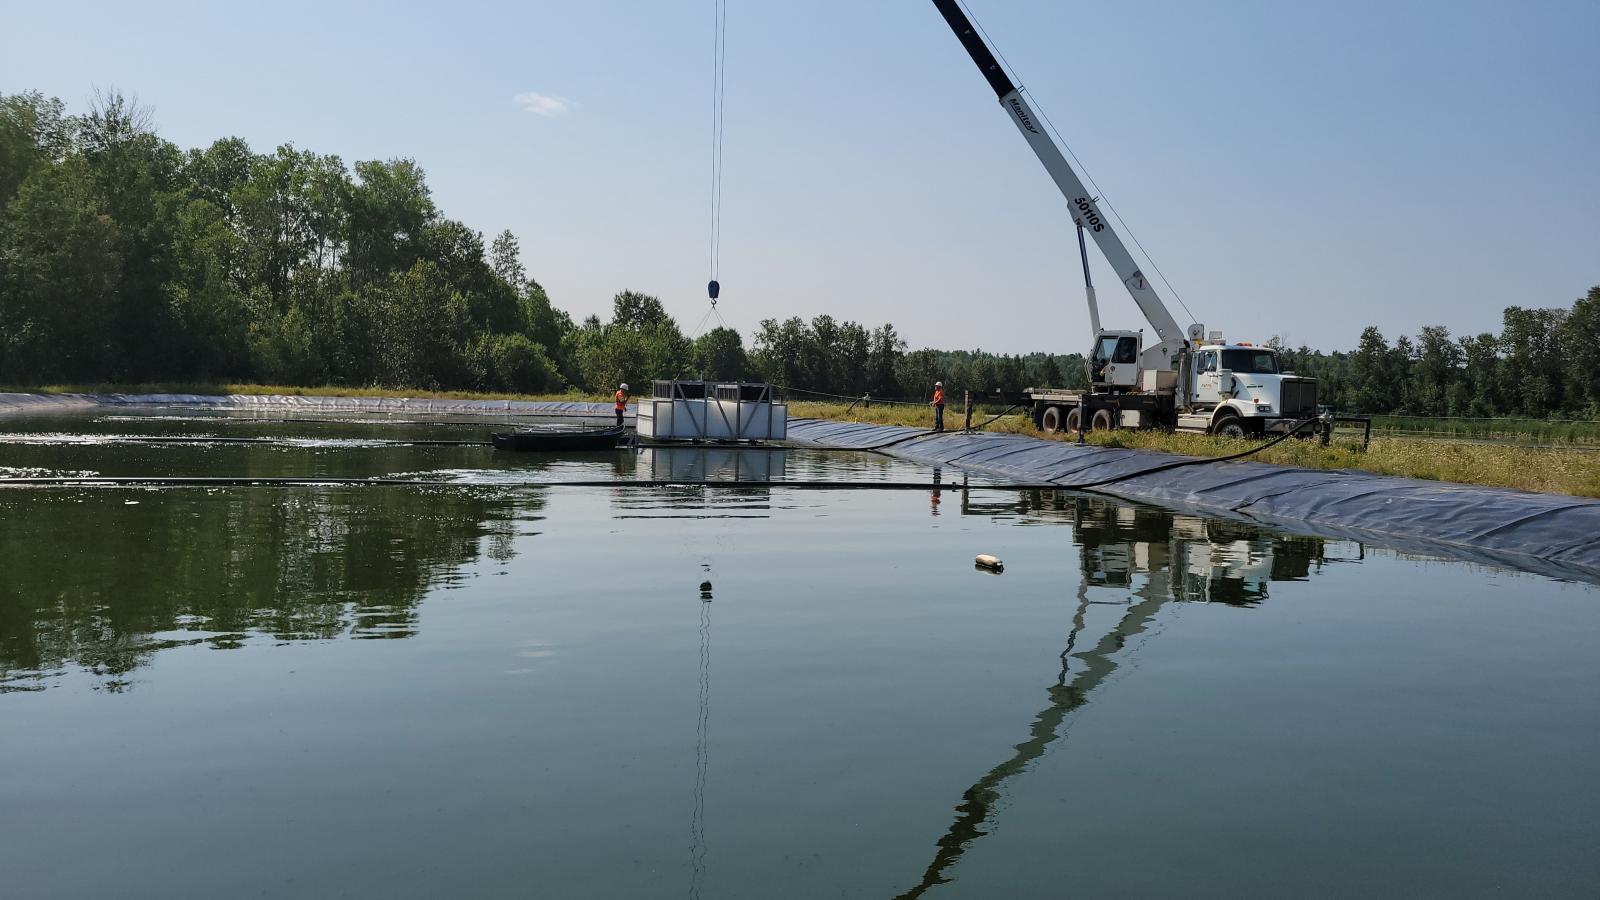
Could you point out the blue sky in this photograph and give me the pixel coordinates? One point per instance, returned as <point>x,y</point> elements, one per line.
<point>1294,169</point>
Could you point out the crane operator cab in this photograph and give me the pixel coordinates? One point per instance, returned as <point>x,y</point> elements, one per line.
<point>1114,362</point>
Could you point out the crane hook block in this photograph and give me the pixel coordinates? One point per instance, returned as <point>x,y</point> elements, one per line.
<point>713,289</point>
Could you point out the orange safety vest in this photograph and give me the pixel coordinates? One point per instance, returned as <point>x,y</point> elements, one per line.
<point>938,396</point>
<point>622,401</point>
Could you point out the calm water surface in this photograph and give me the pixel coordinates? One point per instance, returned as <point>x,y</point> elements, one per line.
<point>491,690</point>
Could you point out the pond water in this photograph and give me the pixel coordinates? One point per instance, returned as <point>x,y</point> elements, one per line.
<point>488,689</point>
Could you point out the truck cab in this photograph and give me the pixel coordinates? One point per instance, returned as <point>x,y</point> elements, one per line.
<point>1242,390</point>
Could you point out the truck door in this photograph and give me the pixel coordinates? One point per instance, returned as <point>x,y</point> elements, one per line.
<point>1207,383</point>
<point>1120,356</point>
<point>1100,359</point>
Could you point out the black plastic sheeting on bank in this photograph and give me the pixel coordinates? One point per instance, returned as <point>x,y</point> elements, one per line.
<point>42,403</point>
<point>11,404</point>
<point>1552,534</point>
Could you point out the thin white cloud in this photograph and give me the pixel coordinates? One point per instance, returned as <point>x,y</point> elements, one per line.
<point>543,104</point>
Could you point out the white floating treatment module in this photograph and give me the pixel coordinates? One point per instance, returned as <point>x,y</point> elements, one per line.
<point>712,411</point>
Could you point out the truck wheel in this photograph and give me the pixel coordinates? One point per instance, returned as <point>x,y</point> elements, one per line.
<point>1051,422</point>
<point>1230,427</point>
<point>1073,418</point>
<point>1102,420</point>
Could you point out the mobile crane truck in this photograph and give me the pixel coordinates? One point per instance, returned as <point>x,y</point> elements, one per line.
<point>1187,380</point>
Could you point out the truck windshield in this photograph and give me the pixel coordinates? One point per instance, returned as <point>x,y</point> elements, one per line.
<point>1264,362</point>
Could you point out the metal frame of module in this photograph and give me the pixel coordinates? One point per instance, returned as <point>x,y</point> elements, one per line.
<point>712,411</point>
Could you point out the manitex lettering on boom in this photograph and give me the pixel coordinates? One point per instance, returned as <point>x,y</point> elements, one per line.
<point>1091,215</point>
<point>1022,115</point>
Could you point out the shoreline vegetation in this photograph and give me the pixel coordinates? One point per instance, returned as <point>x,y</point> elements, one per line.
<point>1494,453</point>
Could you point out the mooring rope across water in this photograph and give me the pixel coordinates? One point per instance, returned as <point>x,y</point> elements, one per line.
<point>321,481</point>
<point>308,442</point>
<point>1167,467</point>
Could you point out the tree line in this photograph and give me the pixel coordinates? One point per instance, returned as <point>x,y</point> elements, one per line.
<point>1543,363</point>
<point>124,258</point>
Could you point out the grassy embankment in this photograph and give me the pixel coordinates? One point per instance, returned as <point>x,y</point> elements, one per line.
<point>1527,431</point>
<point>1574,471</point>
<point>1548,469</point>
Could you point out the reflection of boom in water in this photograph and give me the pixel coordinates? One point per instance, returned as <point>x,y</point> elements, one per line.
<point>1181,557</point>
<point>978,801</point>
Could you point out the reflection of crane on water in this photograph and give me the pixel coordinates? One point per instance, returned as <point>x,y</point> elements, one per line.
<point>1115,542</point>
<point>1066,695</point>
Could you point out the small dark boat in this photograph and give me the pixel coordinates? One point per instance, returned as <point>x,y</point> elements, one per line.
<point>557,439</point>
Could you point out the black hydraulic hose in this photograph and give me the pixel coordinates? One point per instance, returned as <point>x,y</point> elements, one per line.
<point>874,448</point>
<point>839,448</point>
<point>899,440</point>
<point>1167,467</point>
<point>992,419</point>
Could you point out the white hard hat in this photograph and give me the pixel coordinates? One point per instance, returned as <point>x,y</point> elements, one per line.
<point>624,386</point>
<point>938,384</point>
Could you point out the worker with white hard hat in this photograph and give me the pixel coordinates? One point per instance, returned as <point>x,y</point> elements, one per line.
<point>622,402</point>
<point>938,406</point>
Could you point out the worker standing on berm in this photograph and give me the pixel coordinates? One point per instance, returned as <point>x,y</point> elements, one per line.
<point>622,402</point>
<point>938,406</point>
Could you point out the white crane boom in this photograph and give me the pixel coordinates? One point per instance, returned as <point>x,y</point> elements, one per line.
<point>1085,206</point>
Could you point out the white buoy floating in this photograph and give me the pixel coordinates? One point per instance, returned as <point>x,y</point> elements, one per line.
<point>990,563</point>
